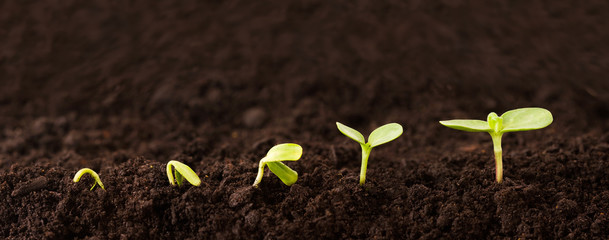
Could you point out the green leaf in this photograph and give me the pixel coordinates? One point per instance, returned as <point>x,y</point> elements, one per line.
<point>284,152</point>
<point>524,119</point>
<point>384,134</point>
<point>286,174</point>
<point>351,133</point>
<point>179,177</point>
<point>184,172</point>
<point>469,125</point>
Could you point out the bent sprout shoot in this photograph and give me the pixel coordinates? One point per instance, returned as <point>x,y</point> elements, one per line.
<point>522,119</point>
<point>381,135</point>
<point>93,174</point>
<point>273,158</point>
<point>181,172</point>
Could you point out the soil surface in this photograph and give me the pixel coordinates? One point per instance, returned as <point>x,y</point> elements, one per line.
<point>123,87</point>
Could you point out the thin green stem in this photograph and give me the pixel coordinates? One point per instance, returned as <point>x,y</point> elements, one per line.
<point>260,173</point>
<point>498,156</point>
<point>365,155</point>
<point>93,174</point>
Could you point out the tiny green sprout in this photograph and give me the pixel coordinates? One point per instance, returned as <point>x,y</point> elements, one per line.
<point>521,119</point>
<point>381,135</point>
<point>273,158</point>
<point>181,172</point>
<point>93,174</point>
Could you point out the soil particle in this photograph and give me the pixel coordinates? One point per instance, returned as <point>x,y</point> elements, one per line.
<point>566,207</point>
<point>252,218</point>
<point>254,117</point>
<point>14,144</point>
<point>241,196</point>
<point>214,95</point>
<point>72,139</point>
<point>162,95</point>
<point>602,147</point>
<point>41,126</point>
<point>30,186</point>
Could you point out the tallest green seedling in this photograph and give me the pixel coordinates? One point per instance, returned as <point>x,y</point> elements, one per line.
<point>522,119</point>
<point>381,135</point>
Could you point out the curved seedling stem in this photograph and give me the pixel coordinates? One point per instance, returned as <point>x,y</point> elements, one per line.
<point>93,174</point>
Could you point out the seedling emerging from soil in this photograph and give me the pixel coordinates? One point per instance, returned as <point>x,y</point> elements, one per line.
<point>381,135</point>
<point>93,174</point>
<point>181,172</point>
<point>522,119</point>
<point>273,158</point>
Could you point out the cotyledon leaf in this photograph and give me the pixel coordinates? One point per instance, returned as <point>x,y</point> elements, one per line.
<point>469,125</point>
<point>524,119</point>
<point>286,174</point>
<point>284,152</point>
<point>184,170</point>
<point>384,134</point>
<point>351,133</point>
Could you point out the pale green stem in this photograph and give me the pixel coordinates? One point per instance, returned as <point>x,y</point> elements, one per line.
<point>365,154</point>
<point>498,156</point>
<point>93,174</point>
<point>260,173</point>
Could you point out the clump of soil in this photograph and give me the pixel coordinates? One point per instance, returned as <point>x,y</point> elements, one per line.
<point>124,87</point>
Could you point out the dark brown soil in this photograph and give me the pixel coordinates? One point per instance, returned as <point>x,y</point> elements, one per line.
<point>122,87</point>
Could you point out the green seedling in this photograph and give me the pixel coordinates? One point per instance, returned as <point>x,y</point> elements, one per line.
<point>381,135</point>
<point>181,172</point>
<point>522,119</point>
<point>93,174</point>
<point>273,158</point>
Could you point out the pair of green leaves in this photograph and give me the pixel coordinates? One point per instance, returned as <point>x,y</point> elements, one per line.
<point>181,172</point>
<point>381,135</point>
<point>522,119</point>
<point>273,158</point>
